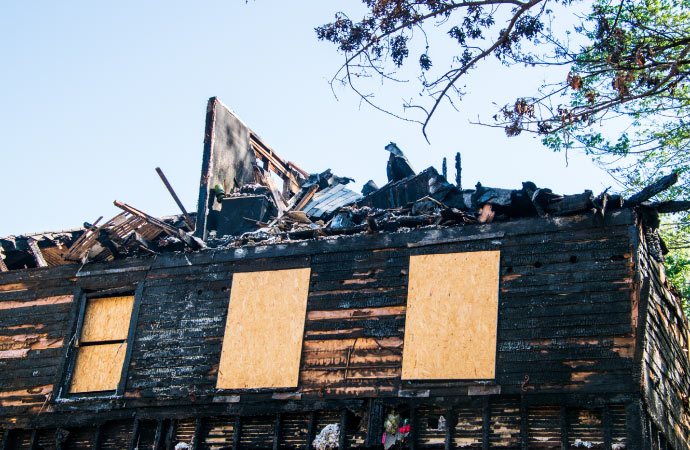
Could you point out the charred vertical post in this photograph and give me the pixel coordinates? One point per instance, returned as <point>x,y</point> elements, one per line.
<point>375,423</point>
<point>342,437</point>
<point>33,444</point>
<point>172,429</point>
<point>486,423</point>
<point>637,429</point>
<point>198,430</point>
<point>451,420</point>
<point>276,432</point>
<point>135,434</point>
<point>564,428</point>
<point>236,433</point>
<point>158,436</point>
<point>97,437</point>
<point>413,428</point>
<point>311,429</point>
<point>458,171</point>
<point>5,444</point>
<point>524,438</point>
<point>606,419</point>
<point>444,168</point>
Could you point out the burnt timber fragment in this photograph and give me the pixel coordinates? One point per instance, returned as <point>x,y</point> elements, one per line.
<point>398,166</point>
<point>591,343</point>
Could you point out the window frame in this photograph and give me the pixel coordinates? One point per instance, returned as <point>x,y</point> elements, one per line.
<point>69,360</point>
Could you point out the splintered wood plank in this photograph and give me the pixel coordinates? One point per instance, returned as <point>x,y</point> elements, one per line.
<point>264,330</point>
<point>452,311</point>
<point>107,319</point>
<point>98,368</point>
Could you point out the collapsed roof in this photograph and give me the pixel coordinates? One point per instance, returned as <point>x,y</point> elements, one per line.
<point>240,203</point>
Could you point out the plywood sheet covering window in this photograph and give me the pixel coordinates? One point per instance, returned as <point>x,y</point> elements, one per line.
<point>106,319</point>
<point>452,311</point>
<point>98,368</point>
<point>264,330</point>
<point>102,344</point>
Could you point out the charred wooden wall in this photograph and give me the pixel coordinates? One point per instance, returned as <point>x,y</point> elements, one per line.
<point>664,372</point>
<point>565,371</point>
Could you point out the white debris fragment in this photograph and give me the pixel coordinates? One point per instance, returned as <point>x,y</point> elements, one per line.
<point>581,443</point>
<point>328,438</point>
<point>182,446</point>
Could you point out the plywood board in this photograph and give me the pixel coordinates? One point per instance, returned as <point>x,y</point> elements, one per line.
<point>264,330</point>
<point>452,311</point>
<point>98,368</point>
<point>106,319</point>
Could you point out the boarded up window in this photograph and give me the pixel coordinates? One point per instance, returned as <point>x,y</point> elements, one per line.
<point>264,330</point>
<point>452,311</point>
<point>102,344</point>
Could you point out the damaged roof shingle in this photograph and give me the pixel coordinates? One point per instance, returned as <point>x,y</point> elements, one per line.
<point>251,209</point>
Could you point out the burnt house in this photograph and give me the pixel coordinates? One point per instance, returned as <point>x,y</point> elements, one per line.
<point>417,315</point>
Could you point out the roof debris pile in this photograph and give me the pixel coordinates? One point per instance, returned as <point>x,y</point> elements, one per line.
<point>240,204</point>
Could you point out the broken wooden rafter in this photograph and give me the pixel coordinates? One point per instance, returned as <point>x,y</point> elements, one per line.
<point>187,217</point>
<point>36,252</point>
<point>84,242</point>
<point>287,171</point>
<point>267,181</point>
<point>307,196</point>
<point>169,229</point>
<point>653,189</point>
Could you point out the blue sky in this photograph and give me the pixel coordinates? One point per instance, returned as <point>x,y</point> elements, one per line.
<point>95,95</point>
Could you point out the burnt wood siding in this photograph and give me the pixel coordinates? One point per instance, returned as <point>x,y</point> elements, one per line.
<point>568,305</point>
<point>665,373</point>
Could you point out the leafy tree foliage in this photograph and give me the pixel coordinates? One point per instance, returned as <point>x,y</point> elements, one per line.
<point>677,237</point>
<point>626,100</point>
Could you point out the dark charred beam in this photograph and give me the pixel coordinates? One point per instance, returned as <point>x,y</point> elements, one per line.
<point>652,190</point>
<point>571,204</point>
<point>33,444</point>
<point>671,206</point>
